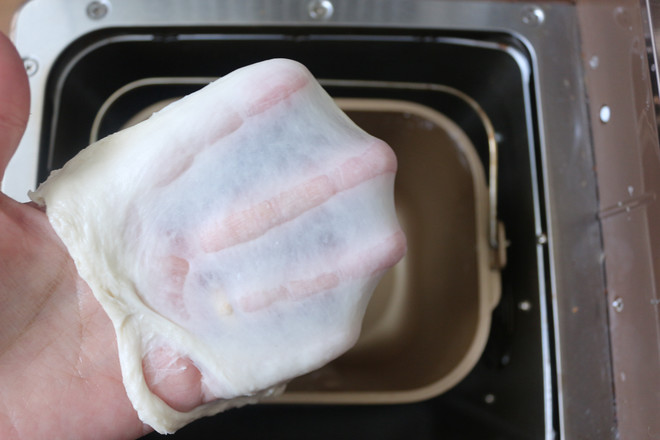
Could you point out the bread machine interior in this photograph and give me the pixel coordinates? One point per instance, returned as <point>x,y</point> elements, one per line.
<point>449,313</point>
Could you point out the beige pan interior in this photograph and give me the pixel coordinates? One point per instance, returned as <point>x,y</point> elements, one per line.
<point>428,320</point>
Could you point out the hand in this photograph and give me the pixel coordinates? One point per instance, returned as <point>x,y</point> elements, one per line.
<point>59,370</point>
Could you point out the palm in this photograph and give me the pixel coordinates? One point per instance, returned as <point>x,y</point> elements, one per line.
<point>59,372</point>
<point>57,349</point>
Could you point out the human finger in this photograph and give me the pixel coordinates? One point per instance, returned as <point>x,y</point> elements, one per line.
<point>362,265</point>
<point>256,220</point>
<point>14,101</point>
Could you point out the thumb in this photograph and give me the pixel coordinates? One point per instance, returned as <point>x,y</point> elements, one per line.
<point>14,101</point>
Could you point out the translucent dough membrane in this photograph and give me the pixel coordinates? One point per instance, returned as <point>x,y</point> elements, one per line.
<point>242,227</point>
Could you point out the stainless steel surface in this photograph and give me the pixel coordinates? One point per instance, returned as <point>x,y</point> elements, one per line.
<point>577,364</point>
<point>627,157</point>
<point>650,14</point>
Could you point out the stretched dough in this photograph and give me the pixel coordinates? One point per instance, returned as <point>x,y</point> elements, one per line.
<point>243,227</point>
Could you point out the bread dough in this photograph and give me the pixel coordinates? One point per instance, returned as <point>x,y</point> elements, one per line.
<point>243,227</point>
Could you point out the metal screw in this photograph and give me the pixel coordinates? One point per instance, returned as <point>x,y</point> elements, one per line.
<point>525,306</point>
<point>96,10</point>
<point>605,114</point>
<point>31,66</point>
<point>320,9</point>
<point>541,238</point>
<point>533,16</point>
<point>489,398</point>
<point>617,304</point>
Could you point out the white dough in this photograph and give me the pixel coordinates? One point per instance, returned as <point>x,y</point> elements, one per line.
<point>244,227</point>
